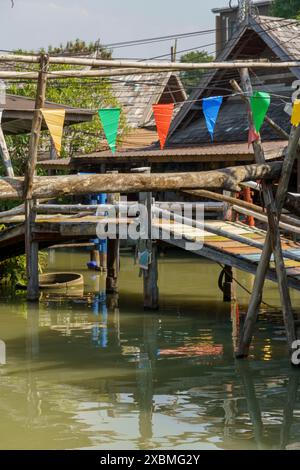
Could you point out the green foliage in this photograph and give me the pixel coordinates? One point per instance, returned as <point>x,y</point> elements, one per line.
<point>84,93</point>
<point>286,8</point>
<point>13,270</point>
<point>191,79</point>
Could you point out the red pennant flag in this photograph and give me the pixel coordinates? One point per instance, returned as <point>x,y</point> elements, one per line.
<point>163,117</point>
<point>252,136</point>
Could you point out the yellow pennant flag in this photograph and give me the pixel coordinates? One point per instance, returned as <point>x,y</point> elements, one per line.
<point>55,119</point>
<point>295,120</point>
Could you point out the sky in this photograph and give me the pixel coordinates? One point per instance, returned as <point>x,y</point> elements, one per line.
<point>33,24</point>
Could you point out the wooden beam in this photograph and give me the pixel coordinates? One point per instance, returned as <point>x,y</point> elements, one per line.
<point>272,243</point>
<point>55,186</point>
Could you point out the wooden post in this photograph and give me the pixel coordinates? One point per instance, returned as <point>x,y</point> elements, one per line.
<point>113,265</point>
<point>150,275</point>
<point>113,255</point>
<point>9,171</point>
<point>31,246</point>
<point>228,285</point>
<point>272,243</point>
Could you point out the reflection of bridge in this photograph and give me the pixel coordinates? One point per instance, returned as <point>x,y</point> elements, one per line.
<point>54,376</point>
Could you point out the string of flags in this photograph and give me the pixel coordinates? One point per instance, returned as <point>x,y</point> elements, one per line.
<point>163,113</point>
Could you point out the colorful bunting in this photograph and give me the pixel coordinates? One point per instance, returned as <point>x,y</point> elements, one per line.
<point>163,116</point>
<point>295,119</point>
<point>110,119</point>
<point>260,102</point>
<point>211,107</point>
<point>55,119</point>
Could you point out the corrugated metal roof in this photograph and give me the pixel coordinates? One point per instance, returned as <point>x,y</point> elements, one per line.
<point>210,153</point>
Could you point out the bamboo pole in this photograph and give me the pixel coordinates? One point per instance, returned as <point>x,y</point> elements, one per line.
<point>263,218</point>
<point>46,187</point>
<point>239,202</point>
<point>5,155</point>
<point>31,246</point>
<point>119,63</point>
<point>272,243</point>
<point>55,74</point>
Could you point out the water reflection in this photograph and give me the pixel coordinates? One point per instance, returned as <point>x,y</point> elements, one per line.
<point>97,372</point>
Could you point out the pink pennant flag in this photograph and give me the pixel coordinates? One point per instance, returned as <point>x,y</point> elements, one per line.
<point>253,136</point>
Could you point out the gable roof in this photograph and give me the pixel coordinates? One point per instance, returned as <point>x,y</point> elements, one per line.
<point>261,37</point>
<point>137,93</point>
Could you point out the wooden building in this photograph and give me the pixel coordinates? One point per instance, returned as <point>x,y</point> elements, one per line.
<point>189,146</point>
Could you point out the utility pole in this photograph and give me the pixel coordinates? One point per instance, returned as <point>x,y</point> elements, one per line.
<point>174,51</point>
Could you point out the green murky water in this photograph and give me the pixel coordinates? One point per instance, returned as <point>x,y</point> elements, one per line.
<point>98,373</point>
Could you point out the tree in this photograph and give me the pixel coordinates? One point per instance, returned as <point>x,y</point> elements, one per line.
<point>286,8</point>
<point>191,79</point>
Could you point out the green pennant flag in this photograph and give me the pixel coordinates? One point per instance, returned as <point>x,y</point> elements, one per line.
<point>260,102</point>
<point>110,118</point>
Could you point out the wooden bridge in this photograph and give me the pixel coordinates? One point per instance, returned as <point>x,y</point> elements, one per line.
<point>227,243</point>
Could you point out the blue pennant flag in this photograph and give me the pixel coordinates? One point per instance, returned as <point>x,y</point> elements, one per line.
<point>211,107</point>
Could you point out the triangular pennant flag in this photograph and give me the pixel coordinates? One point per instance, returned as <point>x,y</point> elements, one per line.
<point>252,136</point>
<point>110,118</point>
<point>211,107</point>
<point>55,119</point>
<point>295,119</point>
<point>163,116</point>
<point>260,102</point>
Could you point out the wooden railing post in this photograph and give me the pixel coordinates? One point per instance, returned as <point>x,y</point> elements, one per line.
<point>150,275</point>
<point>31,245</point>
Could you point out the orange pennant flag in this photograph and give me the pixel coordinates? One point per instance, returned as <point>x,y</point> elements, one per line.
<point>55,119</point>
<point>163,116</point>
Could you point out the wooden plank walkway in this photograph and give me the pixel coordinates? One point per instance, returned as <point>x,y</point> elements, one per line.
<point>53,230</point>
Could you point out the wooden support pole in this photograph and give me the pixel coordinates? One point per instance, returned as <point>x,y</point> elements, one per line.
<point>31,245</point>
<point>113,265</point>
<point>228,285</point>
<point>112,255</point>
<point>150,275</point>
<point>272,243</point>
<point>151,291</point>
<point>9,171</point>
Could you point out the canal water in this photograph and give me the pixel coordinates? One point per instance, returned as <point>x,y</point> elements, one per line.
<point>97,372</point>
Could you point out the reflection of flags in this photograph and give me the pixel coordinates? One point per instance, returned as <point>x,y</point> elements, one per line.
<point>202,349</point>
<point>55,119</point>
